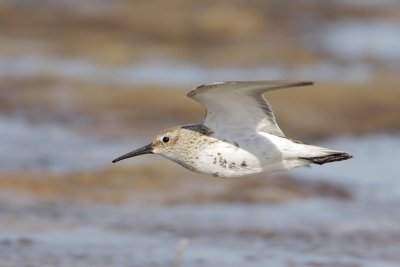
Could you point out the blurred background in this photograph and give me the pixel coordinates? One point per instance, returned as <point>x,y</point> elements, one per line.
<point>83,82</point>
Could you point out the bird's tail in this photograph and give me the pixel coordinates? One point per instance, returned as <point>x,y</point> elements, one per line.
<point>320,155</point>
<point>336,156</point>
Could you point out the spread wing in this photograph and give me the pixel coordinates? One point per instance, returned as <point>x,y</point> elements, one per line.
<point>234,107</point>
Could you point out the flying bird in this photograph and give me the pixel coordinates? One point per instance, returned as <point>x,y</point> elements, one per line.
<point>239,135</point>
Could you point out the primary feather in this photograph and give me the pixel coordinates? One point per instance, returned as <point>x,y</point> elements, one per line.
<point>240,106</point>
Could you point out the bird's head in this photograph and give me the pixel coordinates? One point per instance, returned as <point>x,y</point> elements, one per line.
<point>164,143</point>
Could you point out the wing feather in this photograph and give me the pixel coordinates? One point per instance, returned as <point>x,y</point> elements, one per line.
<point>234,107</point>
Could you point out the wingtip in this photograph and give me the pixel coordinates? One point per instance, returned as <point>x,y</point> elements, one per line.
<point>195,90</point>
<point>191,93</point>
<point>277,84</point>
<point>305,83</point>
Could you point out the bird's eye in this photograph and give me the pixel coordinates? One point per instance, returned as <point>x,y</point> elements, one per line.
<point>165,139</point>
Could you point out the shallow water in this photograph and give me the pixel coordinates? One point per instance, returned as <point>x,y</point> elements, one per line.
<point>173,74</point>
<point>373,173</point>
<point>368,3</point>
<point>305,232</point>
<point>54,148</point>
<point>362,231</point>
<point>356,40</point>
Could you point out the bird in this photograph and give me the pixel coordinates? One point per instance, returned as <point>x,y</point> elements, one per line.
<point>239,135</point>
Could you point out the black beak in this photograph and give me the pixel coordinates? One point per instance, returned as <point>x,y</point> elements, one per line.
<point>144,150</point>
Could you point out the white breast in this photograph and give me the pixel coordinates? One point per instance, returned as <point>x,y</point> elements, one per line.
<point>244,156</point>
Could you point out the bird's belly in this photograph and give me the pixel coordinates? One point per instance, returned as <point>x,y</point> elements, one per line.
<point>249,155</point>
<point>227,161</point>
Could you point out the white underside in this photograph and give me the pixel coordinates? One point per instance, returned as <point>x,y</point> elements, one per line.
<point>256,152</point>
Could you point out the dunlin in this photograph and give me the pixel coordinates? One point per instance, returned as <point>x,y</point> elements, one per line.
<point>239,135</point>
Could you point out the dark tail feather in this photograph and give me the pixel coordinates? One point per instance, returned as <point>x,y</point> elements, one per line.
<point>329,158</point>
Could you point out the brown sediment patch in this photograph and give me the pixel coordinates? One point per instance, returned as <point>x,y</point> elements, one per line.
<point>114,185</point>
<point>223,33</point>
<point>97,108</point>
<point>321,111</point>
<point>263,190</point>
<point>161,184</point>
<point>327,110</point>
